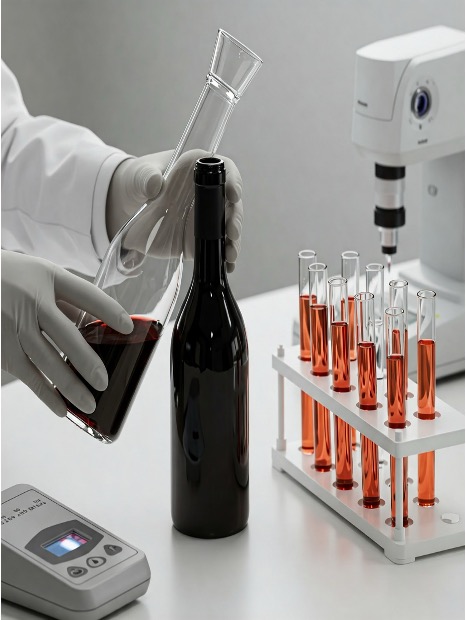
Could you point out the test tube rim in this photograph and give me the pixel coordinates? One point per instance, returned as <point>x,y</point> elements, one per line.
<point>394,311</point>
<point>364,296</point>
<point>350,255</point>
<point>426,294</point>
<point>317,267</point>
<point>306,254</point>
<point>398,283</point>
<point>375,267</point>
<point>337,281</point>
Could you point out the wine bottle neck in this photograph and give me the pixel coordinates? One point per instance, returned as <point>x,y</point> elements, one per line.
<point>209,233</point>
<point>209,260</point>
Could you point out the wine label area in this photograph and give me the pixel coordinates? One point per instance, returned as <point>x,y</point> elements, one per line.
<point>429,529</point>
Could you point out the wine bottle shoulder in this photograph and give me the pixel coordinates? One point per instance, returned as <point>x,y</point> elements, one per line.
<point>210,326</point>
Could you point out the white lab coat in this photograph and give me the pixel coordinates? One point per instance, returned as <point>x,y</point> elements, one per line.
<point>55,178</point>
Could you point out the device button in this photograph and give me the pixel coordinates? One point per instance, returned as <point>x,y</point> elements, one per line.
<point>112,549</point>
<point>76,571</point>
<point>95,562</point>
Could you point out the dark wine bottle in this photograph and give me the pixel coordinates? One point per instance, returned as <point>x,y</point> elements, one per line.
<point>209,374</point>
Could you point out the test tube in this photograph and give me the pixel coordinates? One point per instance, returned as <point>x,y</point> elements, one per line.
<point>426,390</point>
<point>319,361</point>
<point>305,258</point>
<point>350,271</point>
<point>395,339</point>
<point>375,285</point>
<point>398,290</point>
<point>393,493</point>
<point>365,334</point>
<point>338,309</point>
<point>367,383</point>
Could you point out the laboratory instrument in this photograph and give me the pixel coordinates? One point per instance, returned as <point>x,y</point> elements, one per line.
<point>318,311</point>
<point>305,258</point>
<point>209,375</point>
<point>59,563</point>
<point>409,108</point>
<point>143,265</point>
<point>426,390</point>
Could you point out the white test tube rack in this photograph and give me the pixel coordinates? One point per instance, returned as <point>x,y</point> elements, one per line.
<point>434,528</point>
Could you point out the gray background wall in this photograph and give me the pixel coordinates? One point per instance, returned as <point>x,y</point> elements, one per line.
<point>131,70</point>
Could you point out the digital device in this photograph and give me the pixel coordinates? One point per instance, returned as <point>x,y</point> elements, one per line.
<point>59,563</point>
<point>409,109</point>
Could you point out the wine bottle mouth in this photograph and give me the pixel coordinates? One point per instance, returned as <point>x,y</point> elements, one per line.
<point>209,171</point>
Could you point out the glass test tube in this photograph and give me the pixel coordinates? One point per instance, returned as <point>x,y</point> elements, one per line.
<point>365,333</point>
<point>426,390</point>
<point>350,271</point>
<point>338,310</point>
<point>398,291</point>
<point>375,285</point>
<point>395,339</point>
<point>393,493</point>
<point>319,357</point>
<point>367,384</point>
<point>305,258</point>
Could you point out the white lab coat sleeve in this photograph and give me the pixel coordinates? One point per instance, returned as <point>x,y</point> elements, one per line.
<point>55,178</point>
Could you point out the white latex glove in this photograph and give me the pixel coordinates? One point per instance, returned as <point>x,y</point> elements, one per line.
<point>31,288</point>
<point>137,180</point>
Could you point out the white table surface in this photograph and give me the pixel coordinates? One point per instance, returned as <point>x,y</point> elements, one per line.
<point>296,559</point>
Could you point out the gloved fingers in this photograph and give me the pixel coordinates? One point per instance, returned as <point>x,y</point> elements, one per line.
<point>164,158</point>
<point>69,311</point>
<point>233,181</point>
<point>51,364</point>
<point>147,182</point>
<point>232,250</point>
<point>42,388</point>
<point>234,220</point>
<point>82,294</point>
<point>69,340</point>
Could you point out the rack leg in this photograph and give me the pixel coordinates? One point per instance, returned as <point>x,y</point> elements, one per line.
<point>281,441</point>
<point>399,529</point>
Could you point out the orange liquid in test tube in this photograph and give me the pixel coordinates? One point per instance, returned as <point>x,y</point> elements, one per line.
<point>307,423</point>
<point>394,493</point>
<point>319,354</point>
<point>367,380</point>
<point>370,473</point>
<point>396,391</point>
<point>340,357</point>
<point>353,343</point>
<point>426,478</point>
<point>322,451</point>
<point>343,455</point>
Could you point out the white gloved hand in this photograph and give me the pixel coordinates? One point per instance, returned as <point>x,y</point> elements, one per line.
<point>31,288</point>
<point>137,180</point>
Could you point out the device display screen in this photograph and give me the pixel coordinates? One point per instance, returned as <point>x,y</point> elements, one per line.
<point>65,544</point>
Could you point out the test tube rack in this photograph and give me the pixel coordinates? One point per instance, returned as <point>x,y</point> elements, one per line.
<point>434,528</point>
